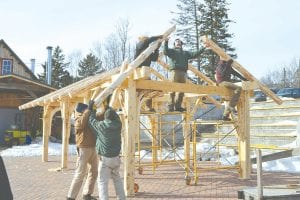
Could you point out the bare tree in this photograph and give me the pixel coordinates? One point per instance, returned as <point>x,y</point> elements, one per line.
<point>122,31</point>
<point>74,58</point>
<point>112,53</point>
<point>287,75</point>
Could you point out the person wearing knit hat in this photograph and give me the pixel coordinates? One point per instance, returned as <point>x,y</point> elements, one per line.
<point>108,147</point>
<point>87,156</point>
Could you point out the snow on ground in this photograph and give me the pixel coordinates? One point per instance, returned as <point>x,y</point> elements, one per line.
<point>228,156</point>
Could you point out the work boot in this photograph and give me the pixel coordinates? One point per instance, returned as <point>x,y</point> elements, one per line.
<point>180,109</point>
<point>88,197</point>
<point>171,108</point>
<point>233,110</point>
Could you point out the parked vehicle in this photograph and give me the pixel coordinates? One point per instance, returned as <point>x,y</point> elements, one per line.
<point>259,96</point>
<point>289,92</point>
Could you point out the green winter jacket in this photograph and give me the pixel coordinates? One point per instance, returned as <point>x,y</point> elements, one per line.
<point>108,133</point>
<point>179,57</point>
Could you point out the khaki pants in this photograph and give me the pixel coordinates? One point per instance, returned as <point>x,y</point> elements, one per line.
<point>87,159</point>
<point>109,168</point>
<point>178,76</point>
<point>235,97</point>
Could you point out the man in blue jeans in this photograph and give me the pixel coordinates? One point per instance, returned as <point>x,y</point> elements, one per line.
<point>108,147</point>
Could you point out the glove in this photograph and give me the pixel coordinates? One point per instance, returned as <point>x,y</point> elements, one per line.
<point>91,105</point>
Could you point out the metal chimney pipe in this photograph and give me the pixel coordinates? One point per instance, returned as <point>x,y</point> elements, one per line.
<point>49,65</point>
<point>32,65</point>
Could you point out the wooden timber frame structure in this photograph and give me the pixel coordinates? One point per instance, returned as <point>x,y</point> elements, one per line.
<point>129,85</point>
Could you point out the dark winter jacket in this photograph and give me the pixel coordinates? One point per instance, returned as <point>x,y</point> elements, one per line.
<point>179,57</point>
<point>144,44</point>
<point>108,133</point>
<point>224,71</point>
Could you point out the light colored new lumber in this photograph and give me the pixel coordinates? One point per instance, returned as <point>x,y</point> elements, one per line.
<point>131,127</point>
<point>243,132</point>
<point>75,88</point>
<point>133,65</point>
<point>200,75</point>
<point>169,86</point>
<point>157,74</point>
<point>116,93</point>
<point>210,44</point>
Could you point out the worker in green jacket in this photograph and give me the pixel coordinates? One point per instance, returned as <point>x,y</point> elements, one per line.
<point>178,67</point>
<point>108,147</point>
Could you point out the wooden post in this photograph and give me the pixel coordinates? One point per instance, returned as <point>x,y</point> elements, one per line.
<point>47,119</point>
<point>243,132</point>
<point>131,125</point>
<point>66,127</point>
<point>260,193</point>
<point>187,136</point>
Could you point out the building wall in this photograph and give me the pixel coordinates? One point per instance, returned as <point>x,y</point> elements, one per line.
<point>18,67</point>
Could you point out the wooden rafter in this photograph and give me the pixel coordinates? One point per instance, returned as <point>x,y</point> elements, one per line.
<point>213,46</point>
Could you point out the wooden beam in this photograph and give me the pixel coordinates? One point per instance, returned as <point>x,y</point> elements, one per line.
<point>157,74</point>
<point>201,75</point>
<point>213,46</point>
<point>168,86</point>
<point>243,131</point>
<point>74,89</point>
<point>131,126</point>
<point>66,127</point>
<point>48,114</point>
<point>133,65</point>
<point>141,73</point>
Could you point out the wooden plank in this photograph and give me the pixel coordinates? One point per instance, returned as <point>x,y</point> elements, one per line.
<point>133,65</point>
<point>168,86</point>
<point>213,46</point>
<point>278,155</point>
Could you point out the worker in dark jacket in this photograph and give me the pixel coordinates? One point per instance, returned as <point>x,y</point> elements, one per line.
<point>223,78</point>
<point>143,44</point>
<point>178,67</point>
<point>87,155</point>
<point>108,147</point>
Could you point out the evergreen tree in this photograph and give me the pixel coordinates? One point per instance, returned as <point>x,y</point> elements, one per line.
<point>188,24</point>
<point>215,23</point>
<point>207,17</point>
<point>60,76</point>
<point>89,66</point>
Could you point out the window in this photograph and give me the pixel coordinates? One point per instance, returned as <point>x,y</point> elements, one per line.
<point>6,66</point>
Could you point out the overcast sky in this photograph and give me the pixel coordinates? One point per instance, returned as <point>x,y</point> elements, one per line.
<point>266,31</point>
